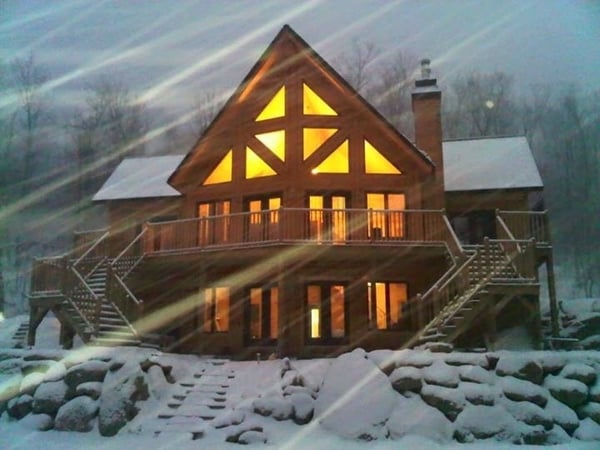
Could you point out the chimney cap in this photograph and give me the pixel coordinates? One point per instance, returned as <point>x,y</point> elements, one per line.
<point>425,68</point>
<point>426,83</point>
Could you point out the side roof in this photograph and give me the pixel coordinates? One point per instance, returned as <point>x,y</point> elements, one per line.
<point>490,163</point>
<point>140,178</point>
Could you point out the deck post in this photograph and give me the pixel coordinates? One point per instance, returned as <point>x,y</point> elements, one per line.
<point>552,295</point>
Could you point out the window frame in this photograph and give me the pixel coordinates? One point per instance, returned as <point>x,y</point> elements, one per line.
<point>209,310</point>
<point>372,305</point>
<point>386,233</point>
<point>325,323</point>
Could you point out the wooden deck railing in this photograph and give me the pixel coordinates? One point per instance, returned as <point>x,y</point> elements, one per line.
<point>288,225</point>
<point>525,225</point>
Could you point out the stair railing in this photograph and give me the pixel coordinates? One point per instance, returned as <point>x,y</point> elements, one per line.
<point>93,257</point>
<point>83,299</point>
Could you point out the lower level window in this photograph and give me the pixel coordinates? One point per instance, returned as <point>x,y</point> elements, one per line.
<point>263,314</point>
<point>326,311</point>
<point>215,310</point>
<point>385,304</point>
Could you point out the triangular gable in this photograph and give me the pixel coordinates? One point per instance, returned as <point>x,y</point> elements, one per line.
<point>292,83</point>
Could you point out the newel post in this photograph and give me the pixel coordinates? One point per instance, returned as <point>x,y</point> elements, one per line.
<point>420,312</point>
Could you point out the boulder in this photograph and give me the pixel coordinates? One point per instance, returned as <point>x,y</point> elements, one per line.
<point>234,432</point>
<point>384,359</point>
<point>528,413</point>
<point>229,418</point>
<point>20,406</point>
<point>44,355</point>
<point>521,390</point>
<point>449,401</point>
<point>413,358</point>
<point>252,437</point>
<point>441,374</point>
<point>303,407</point>
<point>28,367</point>
<point>90,389</point>
<point>9,389</point>
<point>570,392</point>
<point>588,431</point>
<point>580,372</point>
<point>479,394</point>
<point>467,359</point>
<point>562,415</point>
<point>475,374</point>
<point>484,422</point>
<point>76,415</point>
<point>30,383</point>
<point>356,397</point>
<point>594,392</point>
<point>289,390</point>
<point>405,379</point>
<point>85,372</point>
<point>412,416</point>
<point>157,382</point>
<point>56,372</point>
<point>437,347</point>
<point>591,410</point>
<point>521,368</point>
<point>40,422</point>
<point>276,406</point>
<point>49,397</point>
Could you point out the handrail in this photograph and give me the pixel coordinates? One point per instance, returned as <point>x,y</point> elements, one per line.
<point>131,244</point>
<point>89,250</point>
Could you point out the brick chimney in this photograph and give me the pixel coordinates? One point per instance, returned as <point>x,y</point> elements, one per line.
<point>426,106</point>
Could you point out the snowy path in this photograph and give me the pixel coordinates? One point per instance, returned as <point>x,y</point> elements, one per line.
<point>198,399</point>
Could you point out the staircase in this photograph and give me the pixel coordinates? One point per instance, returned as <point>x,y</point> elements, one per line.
<point>463,293</point>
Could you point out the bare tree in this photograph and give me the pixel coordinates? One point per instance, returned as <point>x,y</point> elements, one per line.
<point>356,65</point>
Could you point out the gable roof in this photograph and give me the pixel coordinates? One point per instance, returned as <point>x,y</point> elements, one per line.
<point>287,51</point>
<point>140,178</point>
<point>489,163</point>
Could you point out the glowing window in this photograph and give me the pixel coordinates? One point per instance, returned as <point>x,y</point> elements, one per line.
<point>314,138</point>
<point>274,141</point>
<point>375,162</point>
<point>275,108</point>
<point>256,167</point>
<point>216,310</point>
<point>314,306</point>
<point>314,105</point>
<point>385,304</point>
<point>338,328</point>
<point>386,218</point>
<point>336,162</point>
<point>221,173</point>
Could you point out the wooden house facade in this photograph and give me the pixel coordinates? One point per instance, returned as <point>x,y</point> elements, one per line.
<point>303,224</point>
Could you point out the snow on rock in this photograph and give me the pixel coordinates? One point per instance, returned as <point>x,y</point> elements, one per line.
<point>157,382</point>
<point>356,397</point>
<point>467,359</point>
<point>412,416</point>
<point>588,431</point>
<point>441,374</point>
<point>551,362</point>
<point>594,392</point>
<point>9,388</point>
<point>49,397</point>
<point>252,437</point>
<point>521,390</point>
<point>56,372</point>
<point>570,392</point>
<point>92,389</point>
<point>479,394</point>
<point>406,379</point>
<point>30,383</point>
<point>20,406</point>
<point>87,371</point>
<point>483,422</point>
<point>303,407</point>
<point>41,422</point>
<point>475,374</point>
<point>520,367</point>
<point>580,372</point>
<point>76,415</point>
<point>229,418</point>
<point>562,415</point>
<point>449,401</point>
<point>276,406</point>
<point>527,412</point>
<point>591,410</point>
<point>289,390</point>
<point>413,358</point>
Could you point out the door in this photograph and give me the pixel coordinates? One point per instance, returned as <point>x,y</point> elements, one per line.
<point>326,318</point>
<point>213,223</point>
<point>262,315</point>
<point>327,217</point>
<point>262,223</point>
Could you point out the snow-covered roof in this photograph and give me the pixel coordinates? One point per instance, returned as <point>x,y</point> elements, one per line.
<point>489,163</point>
<point>140,178</point>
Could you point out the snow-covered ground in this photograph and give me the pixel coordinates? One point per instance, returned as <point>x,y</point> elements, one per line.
<point>344,421</point>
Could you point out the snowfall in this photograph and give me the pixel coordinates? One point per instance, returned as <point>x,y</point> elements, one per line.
<point>413,399</point>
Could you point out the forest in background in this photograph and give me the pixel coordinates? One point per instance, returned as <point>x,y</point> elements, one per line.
<point>53,158</point>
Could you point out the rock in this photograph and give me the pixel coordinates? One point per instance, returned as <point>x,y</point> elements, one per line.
<point>9,389</point>
<point>483,422</point>
<point>588,431</point>
<point>422,420</point>
<point>467,359</point>
<point>234,433</point>
<point>557,436</point>
<point>76,415</point>
<point>56,372</point>
<point>40,422</point>
<point>591,410</point>
<point>449,401</point>
<point>85,372</point>
<point>289,390</point>
<point>356,397</point>
<point>20,406</point>
<point>529,413</point>
<point>441,374</point>
<point>384,359</point>
<point>562,415</point>
<point>521,390</point>
<point>475,374</point>
<point>291,378</point>
<point>157,383</point>
<point>551,362</point>
<point>479,394</point>
<point>49,397</point>
<point>437,347</point>
<point>31,382</point>
<point>594,393</point>
<point>405,379</point>
<point>570,392</point>
<point>44,355</point>
<point>90,389</point>
<point>580,372</point>
<point>521,368</point>
<point>278,407</point>
<point>229,418</point>
<point>42,366</point>
<point>413,358</point>
<point>120,392</point>
<point>252,437</point>
<point>302,408</point>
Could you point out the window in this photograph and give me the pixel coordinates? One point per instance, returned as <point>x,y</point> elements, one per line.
<point>263,314</point>
<point>385,304</point>
<point>262,223</point>
<point>256,167</point>
<point>274,141</point>
<point>313,104</point>
<point>215,310</point>
<point>336,162</point>
<point>473,227</point>
<point>327,217</point>
<point>214,222</point>
<point>275,108</point>
<point>386,218</point>
<point>223,172</point>
<point>314,138</point>
<point>326,319</point>
<point>375,162</point>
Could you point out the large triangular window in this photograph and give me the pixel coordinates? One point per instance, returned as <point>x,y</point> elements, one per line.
<point>376,163</point>
<point>313,104</point>
<point>256,167</point>
<point>315,138</point>
<point>336,162</point>
<point>223,172</point>
<point>275,108</point>
<point>274,141</point>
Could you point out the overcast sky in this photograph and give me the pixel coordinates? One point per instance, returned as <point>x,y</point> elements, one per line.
<point>170,50</point>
